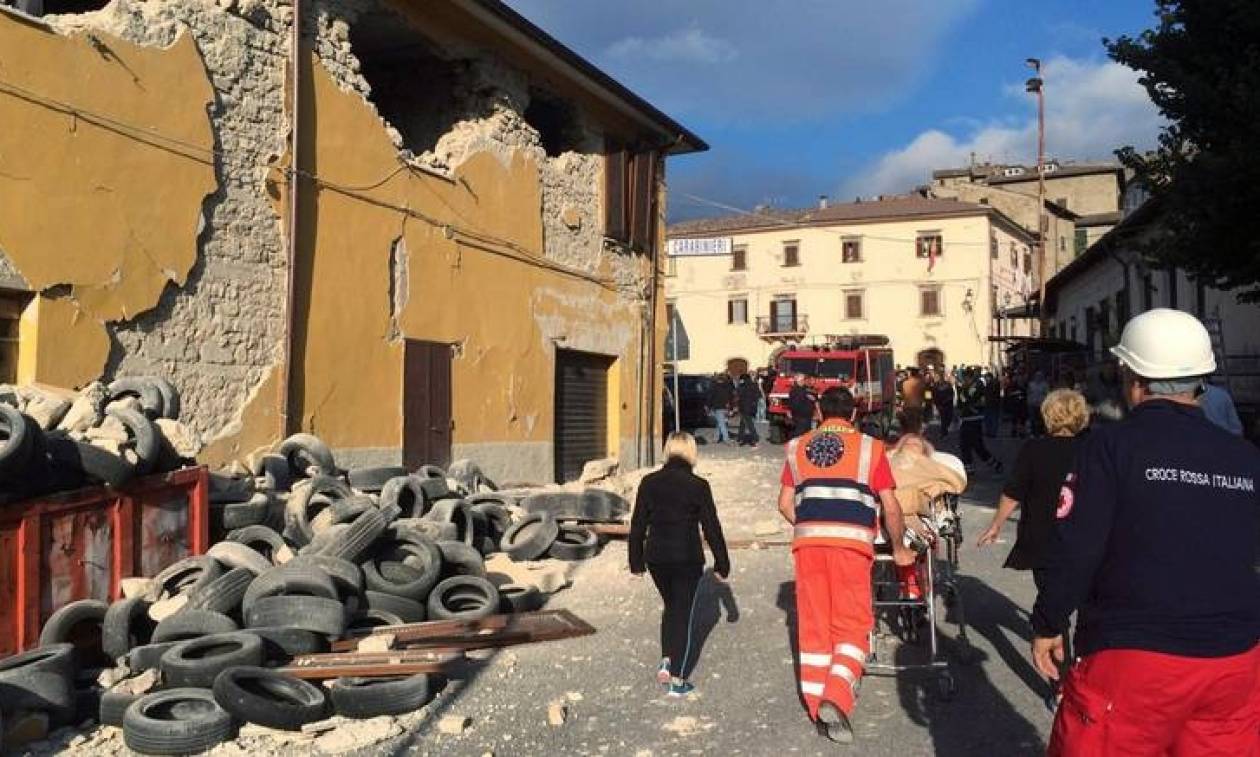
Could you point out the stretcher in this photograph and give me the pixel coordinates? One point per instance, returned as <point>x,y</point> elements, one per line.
<point>935,539</point>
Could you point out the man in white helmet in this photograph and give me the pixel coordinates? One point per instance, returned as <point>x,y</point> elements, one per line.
<point>1155,548</point>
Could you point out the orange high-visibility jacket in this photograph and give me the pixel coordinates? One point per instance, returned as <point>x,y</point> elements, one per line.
<point>837,473</point>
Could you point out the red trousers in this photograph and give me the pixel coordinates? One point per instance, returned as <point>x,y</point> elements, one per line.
<point>1127,702</point>
<point>834,621</point>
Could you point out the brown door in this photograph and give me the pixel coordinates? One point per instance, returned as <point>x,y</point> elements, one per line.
<point>426,403</point>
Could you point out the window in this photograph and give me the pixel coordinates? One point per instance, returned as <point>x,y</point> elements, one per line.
<point>1082,241</point>
<point>630,197</point>
<point>10,311</point>
<point>737,311</point>
<point>671,265</point>
<point>928,244</point>
<point>1027,261</point>
<point>791,253</point>
<point>783,314</point>
<point>993,245</point>
<point>929,302</point>
<point>1014,257</point>
<point>739,258</point>
<point>851,250</point>
<point>854,305</point>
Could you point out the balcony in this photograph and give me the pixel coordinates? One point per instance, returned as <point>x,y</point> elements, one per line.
<point>783,326</point>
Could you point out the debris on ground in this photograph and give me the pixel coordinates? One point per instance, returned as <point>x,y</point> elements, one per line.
<point>453,725</point>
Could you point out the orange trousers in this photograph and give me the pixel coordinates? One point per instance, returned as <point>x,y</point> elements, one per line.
<point>834,620</point>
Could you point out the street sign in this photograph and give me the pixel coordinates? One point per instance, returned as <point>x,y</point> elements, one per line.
<point>687,248</point>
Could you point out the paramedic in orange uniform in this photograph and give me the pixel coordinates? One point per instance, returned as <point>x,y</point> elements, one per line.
<point>834,482</point>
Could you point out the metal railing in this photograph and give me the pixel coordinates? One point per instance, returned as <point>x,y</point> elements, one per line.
<point>782,325</point>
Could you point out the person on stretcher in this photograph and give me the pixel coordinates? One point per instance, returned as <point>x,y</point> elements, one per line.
<point>922,475</point>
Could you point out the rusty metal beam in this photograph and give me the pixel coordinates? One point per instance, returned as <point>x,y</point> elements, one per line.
<point>494,631</point>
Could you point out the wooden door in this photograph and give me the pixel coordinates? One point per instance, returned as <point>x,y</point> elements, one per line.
<point>426,400</point>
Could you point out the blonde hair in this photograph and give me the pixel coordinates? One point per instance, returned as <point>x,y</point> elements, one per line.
<point>681,445</point>
<point>1065,410</point>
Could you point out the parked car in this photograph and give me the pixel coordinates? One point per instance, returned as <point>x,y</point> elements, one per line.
<point>693,414</point>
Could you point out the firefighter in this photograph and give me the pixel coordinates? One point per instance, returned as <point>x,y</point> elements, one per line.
<point>833,484</point>
<point>1155,550</point>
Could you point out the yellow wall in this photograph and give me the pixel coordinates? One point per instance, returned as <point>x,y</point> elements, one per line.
<point>890,276</point>
<point>111,213</point>
<point>1088,194</point>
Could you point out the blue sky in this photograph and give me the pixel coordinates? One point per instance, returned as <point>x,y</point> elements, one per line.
<point>846,97</point>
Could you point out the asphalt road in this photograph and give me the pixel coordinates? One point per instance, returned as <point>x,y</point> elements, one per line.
<point>746,701</point>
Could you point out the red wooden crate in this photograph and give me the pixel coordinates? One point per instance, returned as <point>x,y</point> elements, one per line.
<point>81,544</point>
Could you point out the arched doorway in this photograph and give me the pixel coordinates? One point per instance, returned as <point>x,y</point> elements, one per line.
<point>931,358</point>
<point>736,366</point>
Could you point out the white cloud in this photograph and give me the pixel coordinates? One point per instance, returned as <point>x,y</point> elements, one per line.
<point>690,46</point>
<point>1092,108</point>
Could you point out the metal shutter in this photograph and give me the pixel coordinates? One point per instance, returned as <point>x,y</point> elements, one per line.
<point>581,411</point>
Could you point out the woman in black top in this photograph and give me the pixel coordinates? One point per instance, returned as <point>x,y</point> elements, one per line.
<point>1037,480</point>
<point>672,507</point>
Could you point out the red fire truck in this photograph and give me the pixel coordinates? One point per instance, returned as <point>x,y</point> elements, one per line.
<point>863,364</point>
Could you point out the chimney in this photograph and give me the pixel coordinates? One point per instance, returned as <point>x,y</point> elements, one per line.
<point>822,202</point>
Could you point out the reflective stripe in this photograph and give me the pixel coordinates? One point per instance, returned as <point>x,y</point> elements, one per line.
<point>814,689</point>
<point>864,460</point>
<point>815,660</point>
<point>852,652</point>
<point>848,675</point>
<point>791,459</point>
<point>832,531</point>
<point>836,492</point>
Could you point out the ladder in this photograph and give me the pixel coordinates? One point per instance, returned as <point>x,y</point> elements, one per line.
<point>1216,330</point>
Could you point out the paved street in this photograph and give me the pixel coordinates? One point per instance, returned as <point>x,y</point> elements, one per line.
<point>746,701</point>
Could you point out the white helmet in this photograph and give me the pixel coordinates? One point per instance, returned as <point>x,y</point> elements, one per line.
<point>1166,344</point>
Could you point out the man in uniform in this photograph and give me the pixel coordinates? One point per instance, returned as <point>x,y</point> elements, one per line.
<point>833,484</point>
<point>1155,548</point>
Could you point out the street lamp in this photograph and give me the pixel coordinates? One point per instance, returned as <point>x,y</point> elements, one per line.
<point>1036,85</point>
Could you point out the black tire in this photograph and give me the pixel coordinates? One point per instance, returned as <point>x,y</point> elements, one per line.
<point>347,578</point>
<point>192,623</point>
<point>318,614</point>
<point>16,433</point>
<point>41,679</point>
<point>148,656</point>
<point>370,697</point>
<point>261,539</point>
<point>407,493</point>
<point>272,473</point>
<point>102,466</point>
<point>196,663</point>
<point>373,480</point>
<point>79,623</point>
<point>498,519</point>
<point>270,698</point>
<point>492,498</point>
<point>223,594</point>
<point>359,537</point>
<point>589,506</point>
<point>302,579</point>
<point>252,512</point>
<point>434,488</point>
<point>143,438</point>
<point>304,451</point>
<point>515,598</point>
<point>233,554</point>
<point>283,644</point>
<point>530,537</point>
<point>409,610</point>
<point>298,510</point>
<point>183,576</point>
<point>126,625</point>
<point>176,721</point>
<point>463,598</point>
<point>574,543</point>
<point>459,559</point>
<point>420,568</point>
<point>341,511</point>
<point>113,706</point>
<point>172,404</point>
<point>366,620</point>
<point>142,388</point>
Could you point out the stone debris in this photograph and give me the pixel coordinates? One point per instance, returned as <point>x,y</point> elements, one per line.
<point>350,735</point>
<point>599,470</point>
<point>380,642</point>
<point>135,587</point>
<point>557,714</point>
<point>454,725</point>
<point>548,576</point>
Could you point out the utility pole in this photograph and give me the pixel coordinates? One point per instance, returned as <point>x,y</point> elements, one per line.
<point>1037,85</point>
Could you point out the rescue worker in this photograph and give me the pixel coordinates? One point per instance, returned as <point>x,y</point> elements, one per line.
<point>833,485</point>
<point>1155,548</point>
<point>971,416</point>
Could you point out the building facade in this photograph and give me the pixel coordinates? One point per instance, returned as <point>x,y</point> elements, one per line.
<point>442,242</point>
<point>928,274</point>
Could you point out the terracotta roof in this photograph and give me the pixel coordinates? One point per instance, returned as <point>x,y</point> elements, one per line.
<point>900,208</point>
<point>1062,171</point>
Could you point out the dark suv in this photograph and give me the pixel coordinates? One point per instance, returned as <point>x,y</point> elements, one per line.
<point>693,413</point>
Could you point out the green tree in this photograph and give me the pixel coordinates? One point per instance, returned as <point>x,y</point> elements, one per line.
<point>1201,66</point>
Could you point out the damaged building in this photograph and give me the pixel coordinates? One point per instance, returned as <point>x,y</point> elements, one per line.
<point>477,213</point>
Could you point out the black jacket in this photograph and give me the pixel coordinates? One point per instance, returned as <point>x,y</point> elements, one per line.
<point>800,402</point>
<point>721,395</point>
<point>749,397</point>
<point>673,505</point>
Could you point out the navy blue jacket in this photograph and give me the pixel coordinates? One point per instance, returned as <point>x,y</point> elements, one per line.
<point>1156,539</point>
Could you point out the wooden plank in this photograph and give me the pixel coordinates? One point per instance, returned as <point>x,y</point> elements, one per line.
<point>494,631</point>
<point>611,530</point>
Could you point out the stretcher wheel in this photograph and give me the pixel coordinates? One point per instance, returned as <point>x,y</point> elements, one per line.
<point>946,687</point>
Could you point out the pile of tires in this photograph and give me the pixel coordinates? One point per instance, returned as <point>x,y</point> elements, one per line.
<point>309,554</point>
<point>101,435</point>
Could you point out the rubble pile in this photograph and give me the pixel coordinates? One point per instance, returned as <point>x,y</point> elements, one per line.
<point>307,560</point>
<point>55,440</point>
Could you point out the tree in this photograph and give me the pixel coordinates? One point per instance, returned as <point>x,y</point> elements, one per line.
<point>1201,67</point>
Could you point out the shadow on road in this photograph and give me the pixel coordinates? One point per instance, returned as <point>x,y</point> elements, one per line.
<point>713,598</point>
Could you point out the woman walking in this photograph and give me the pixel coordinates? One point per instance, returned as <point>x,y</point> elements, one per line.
<point>673,506</point>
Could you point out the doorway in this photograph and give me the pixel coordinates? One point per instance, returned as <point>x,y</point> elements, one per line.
<point>581,411</point>
<point>931,358</point>
<point>426,400</point>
